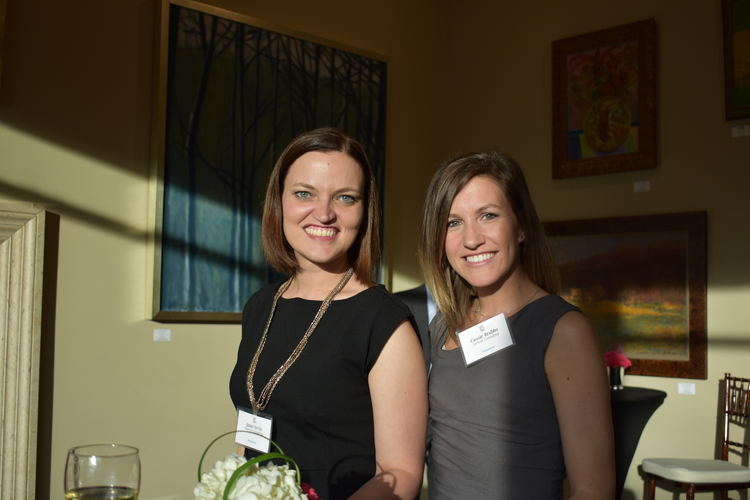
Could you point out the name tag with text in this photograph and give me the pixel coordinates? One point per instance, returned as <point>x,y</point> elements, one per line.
<point>253,431</point>
<point>485,339</point>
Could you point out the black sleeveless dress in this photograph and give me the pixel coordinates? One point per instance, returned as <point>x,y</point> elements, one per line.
<point>321,407</point>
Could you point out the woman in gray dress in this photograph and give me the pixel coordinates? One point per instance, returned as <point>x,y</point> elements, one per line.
<point>518,390</point>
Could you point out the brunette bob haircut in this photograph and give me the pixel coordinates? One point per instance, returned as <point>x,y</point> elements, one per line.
<point>451,292</point>
<point>364,254</point>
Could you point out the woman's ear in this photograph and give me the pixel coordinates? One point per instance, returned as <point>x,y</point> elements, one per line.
<point>521,236</point>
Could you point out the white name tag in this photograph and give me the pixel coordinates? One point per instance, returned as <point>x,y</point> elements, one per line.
<point>258,430</point>
<point>484,339</point>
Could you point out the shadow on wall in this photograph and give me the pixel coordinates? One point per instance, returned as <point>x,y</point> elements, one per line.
<point>107,224</point>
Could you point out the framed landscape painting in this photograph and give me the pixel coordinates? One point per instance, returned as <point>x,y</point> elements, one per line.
<point>603,101</point>
<point>642,282</point>
<point>230,93</point>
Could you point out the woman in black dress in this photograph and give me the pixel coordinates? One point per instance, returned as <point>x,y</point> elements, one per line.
<point>330,355</point>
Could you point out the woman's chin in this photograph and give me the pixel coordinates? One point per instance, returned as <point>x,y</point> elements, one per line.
<point>337,264</point>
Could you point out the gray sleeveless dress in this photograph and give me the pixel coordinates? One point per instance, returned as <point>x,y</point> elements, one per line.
<point>494,427</point>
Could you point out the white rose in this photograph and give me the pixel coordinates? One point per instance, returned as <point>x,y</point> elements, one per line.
<point>204,492</point>
<point>256,483</point>
<point>224,469</point>
<point>211,481</point>
<point>231,462</point>
<point>244,485</point>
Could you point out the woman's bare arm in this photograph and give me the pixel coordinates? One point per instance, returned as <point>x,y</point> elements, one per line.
<point>398,387</point>
<point>577,375</point>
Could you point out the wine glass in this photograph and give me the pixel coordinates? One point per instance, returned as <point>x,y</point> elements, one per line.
<point>102,471</point>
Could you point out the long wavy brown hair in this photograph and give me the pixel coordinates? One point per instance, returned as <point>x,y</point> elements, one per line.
<point>451,292</point>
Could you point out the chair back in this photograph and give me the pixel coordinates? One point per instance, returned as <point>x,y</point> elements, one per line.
<point>736,410</point>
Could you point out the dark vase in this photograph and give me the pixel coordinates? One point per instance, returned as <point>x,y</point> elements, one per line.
<point>615,378</point>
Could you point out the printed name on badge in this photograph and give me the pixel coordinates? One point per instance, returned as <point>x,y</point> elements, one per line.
<point>254,431</point>
<point>484,339</point>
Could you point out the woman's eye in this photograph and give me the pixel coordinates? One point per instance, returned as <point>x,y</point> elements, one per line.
<point>488,216</point>
<point>453,223</point>
<point>347,198</point>
<point>302,194</point>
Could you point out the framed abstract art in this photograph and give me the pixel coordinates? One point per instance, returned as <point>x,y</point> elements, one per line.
<point>603,101</point>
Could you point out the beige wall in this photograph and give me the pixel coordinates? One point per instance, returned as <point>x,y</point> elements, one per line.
<point>75,111</point>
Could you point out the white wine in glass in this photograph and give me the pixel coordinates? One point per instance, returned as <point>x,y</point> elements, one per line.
<point>102,472</point>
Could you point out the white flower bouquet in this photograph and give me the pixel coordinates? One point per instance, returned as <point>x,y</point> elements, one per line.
<point>236,478</point>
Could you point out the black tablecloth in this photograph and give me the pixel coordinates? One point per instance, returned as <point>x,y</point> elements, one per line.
<point>631,409</point>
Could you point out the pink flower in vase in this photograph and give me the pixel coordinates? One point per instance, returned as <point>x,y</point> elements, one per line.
<point>614,359</point>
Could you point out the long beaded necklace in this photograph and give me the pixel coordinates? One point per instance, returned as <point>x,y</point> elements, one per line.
<point>265,395</point>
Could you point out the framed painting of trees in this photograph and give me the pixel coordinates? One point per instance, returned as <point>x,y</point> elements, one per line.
<point>230,93</point>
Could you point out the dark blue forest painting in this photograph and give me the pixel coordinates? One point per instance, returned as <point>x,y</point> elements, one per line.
<point>236,95</point>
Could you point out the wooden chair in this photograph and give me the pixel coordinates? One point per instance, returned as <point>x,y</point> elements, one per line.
<point>694,475</point>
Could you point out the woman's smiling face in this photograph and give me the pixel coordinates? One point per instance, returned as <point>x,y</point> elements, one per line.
<point>323,207</point>
<point>483,239</point>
